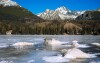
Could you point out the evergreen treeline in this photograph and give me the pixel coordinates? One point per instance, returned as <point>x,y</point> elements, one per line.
<point>51,27</point>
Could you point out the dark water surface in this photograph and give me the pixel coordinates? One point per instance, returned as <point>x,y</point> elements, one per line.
<point>36,54</point>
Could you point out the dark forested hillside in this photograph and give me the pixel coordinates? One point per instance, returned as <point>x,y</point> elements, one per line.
<point>89,15</point>
<point>16,13</point>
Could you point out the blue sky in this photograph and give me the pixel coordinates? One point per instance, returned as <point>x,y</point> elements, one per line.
<point>38,6</point>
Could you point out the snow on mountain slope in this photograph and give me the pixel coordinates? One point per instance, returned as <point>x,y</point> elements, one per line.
<point>60,13</point>
<point>8,3</point>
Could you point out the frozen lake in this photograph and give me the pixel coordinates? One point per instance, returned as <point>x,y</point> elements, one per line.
<point>38,52</point>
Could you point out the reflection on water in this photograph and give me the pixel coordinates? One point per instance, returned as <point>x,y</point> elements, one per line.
<point>10,54</point>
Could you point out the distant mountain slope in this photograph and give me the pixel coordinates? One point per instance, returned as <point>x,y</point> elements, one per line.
<point>61,13</point>
<point>89,15</point>
<point>13,11</point>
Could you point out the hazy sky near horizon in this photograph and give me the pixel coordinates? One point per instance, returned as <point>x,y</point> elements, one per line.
<point>38,6</point>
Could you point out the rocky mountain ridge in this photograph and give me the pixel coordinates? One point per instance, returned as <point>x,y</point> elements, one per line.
<point>61,13</point>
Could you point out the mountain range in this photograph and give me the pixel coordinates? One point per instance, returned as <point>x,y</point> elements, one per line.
<point>11,10</point>
<point>61,13</point>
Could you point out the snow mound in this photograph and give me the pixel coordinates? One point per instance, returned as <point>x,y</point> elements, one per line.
<point>77,53</point>
<point>23,45</point>
<point>96,44</point>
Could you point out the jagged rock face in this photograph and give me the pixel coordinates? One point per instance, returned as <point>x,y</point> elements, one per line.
<point>60,13</point>
<point>89,15</point>
<point>49,15</point>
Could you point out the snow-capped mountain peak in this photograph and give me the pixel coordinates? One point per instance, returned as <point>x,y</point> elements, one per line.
<point>60,13</point>
<point>47,10</point>
<point>62,10</point>
<point>8,3</point>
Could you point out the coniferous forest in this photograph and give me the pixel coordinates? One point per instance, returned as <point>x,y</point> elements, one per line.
<point>54,27</point>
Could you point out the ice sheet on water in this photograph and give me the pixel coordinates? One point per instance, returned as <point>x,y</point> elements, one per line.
<point>23,45</point>
<point>31,61</point>
<point>39,39</point>
<point>96,44</point>
<point>6,61</point>
<point>94,61</point>
<point>55,59</point>
<point>97,54</point>
<point>4,45</point>
<point>83,46</point>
